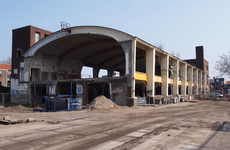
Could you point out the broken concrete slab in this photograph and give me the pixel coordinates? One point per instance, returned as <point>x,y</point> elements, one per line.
<point>30,120</point>
<point>6,118</point>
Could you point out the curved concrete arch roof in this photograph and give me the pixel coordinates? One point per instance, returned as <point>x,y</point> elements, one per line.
<point>115,34</point>
<point>42,42</point>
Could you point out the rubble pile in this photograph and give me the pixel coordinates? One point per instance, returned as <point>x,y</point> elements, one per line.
<point>102,103</point>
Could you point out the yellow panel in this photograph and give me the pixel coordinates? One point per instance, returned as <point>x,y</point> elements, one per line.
<point>179,82</point>
<point>170,81</point>
<point>141,76</point>
<point>186,83</point>
<point>158,79</point>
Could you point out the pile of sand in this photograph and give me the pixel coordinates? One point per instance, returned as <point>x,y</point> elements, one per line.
<point>102,103</point>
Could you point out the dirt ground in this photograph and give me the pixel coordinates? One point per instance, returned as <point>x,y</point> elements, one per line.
<point>188,126</point>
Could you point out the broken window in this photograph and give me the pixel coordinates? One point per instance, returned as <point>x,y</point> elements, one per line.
<point>157,65</point>
<point>22,75</point>
<point>18,53</point>
<point>37,36</point>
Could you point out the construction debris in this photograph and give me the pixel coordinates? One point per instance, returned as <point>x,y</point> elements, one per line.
<point>30,120</point>
<point>102,103</point>
<point>6,118</point>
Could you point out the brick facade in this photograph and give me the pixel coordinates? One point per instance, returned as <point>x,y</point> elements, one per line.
<point>22,39</point>
<point>5,71</point>
<point>200,62</point>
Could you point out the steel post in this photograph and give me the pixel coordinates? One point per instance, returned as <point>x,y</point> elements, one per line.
<point>3,100</point>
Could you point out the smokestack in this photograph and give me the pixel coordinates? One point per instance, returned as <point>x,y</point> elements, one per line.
<point>200,57</point>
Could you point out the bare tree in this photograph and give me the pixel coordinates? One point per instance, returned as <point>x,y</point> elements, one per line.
<point>160,45</point>
<point>176,54</point>
<point>6,61</point>
<point>223,64</point>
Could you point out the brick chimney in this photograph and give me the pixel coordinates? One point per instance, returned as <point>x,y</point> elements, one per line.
<point>200,57</point>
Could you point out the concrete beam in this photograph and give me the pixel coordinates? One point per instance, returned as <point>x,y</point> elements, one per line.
<point>82,45</point>
<point>106,50</point>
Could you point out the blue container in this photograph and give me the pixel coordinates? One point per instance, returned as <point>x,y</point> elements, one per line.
<point>74,106</point>
<point>75,100</point>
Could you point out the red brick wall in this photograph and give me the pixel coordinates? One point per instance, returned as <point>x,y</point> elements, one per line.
<point>3,77</point>
<point>206,69</point>
<point>23,38</point>
<point>33,30</point>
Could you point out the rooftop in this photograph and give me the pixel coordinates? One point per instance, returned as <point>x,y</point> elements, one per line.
<point>5,66</point>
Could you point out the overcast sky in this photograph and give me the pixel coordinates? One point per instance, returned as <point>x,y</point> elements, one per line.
<point>180,25</point>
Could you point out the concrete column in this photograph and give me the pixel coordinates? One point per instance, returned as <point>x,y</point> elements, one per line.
<point>164,74</point>
<point>129,48</point>
<point>183,78</point>
<point>150,70</point>
<point>133,68</point>
<point>110,73</point>
<point>95,72</point>
<point>203,83</point>
<point>195,78</point>
<point>190,80</point>
<point>122,73</point>
<point>199,82</point>
<point>175,76</point>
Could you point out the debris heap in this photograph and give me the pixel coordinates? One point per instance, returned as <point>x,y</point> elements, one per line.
<point>102,103</point>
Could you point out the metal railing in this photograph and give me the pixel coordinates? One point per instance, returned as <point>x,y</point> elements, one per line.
<point>65,25</point>
<point>4,98</point>
<point>8,98</point>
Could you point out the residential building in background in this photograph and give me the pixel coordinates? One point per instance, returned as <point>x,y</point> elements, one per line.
<point>218,83</point>
<point>5,72</point>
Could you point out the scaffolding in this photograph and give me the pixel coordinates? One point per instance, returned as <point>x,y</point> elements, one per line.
<point>51,97</point>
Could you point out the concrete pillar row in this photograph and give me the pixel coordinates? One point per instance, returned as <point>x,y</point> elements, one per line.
<point>164,74</point>
<point>150,70</point>
<point>175,64</point>
<point>183,78</point>
<point>190,80</point>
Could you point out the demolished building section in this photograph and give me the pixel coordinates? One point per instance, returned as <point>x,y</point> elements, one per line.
<point>144,70</point>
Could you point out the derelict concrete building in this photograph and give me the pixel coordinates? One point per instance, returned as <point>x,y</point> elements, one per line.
<point>144,69</point>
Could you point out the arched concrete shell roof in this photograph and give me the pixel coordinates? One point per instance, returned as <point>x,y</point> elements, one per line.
<point>115,34</point>
<point>42,42</point>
